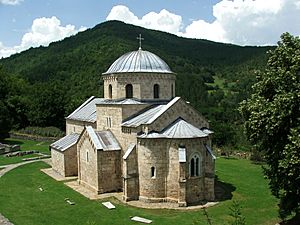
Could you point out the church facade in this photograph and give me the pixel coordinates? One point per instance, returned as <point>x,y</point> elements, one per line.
<point>140,138</point>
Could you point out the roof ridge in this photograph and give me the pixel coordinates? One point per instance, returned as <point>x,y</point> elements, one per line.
<point>82,105</point>
<point>164,109</point>
<point>94,137</point>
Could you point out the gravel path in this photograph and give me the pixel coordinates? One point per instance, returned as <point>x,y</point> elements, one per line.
<point>4,221</point>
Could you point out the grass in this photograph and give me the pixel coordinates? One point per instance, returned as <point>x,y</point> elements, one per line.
<point>220,82</point>
<point>25,145</point>
<point>24,204</point>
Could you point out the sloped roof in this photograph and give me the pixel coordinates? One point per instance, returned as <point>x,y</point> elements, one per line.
<point>66,142</point>
<point>178,129</point>
<point>139,61</point>
<point>150,115</point>
<point>210,151</point>
<point>103,140</point>
<point>87,111</point>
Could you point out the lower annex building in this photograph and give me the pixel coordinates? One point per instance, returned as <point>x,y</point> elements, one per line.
<point>139,139</point>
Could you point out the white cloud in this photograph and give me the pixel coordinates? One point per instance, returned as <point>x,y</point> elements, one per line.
<point>164,20</point>
<point>43,31</point>
<point>243,22</point>
<point>10,2</point>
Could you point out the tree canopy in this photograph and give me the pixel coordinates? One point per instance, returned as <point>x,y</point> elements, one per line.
<point>272,122</point>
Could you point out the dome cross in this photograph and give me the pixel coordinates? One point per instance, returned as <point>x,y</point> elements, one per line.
<point>140,40</point>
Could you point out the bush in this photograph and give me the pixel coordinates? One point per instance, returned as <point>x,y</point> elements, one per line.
<point>42,131</point>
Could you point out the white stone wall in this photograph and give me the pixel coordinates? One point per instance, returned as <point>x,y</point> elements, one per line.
<point>74,126</point>
<point>142,85</point>
<point>172,181</point>
<point>70,160</point>
<point>179,109</point>
<point>58,161</point>
<point>87,163</point>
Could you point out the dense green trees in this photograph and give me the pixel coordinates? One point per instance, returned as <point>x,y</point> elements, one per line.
<point>272,115</point>
<point>49,83</point>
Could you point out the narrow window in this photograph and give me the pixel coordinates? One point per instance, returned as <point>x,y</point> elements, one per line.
<point>87,156</point>
<point>172,91</point>
<point>110,91</point>
<point>195,166</point>
<point>153,172</point>
<point>192,167</point>
<point>129,91</point>
<point>156,91</point>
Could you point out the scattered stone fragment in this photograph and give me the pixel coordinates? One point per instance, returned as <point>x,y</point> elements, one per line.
<point>69,201</point>
<point>140,219</point>
<point>108,205</point>
<point>41,189</point>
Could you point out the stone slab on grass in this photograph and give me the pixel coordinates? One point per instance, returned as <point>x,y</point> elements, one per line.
<point>108,205</point>
<point>140,219</point>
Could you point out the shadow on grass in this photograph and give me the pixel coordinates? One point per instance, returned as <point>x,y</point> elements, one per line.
<point>223,191</point>
<point>12,142</point>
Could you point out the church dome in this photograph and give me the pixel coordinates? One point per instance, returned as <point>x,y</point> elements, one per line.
<point>139,61</point>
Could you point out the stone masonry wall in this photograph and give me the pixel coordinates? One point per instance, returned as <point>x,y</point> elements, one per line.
<point>71,164</point>
<point>87,163</point>
<point>172,180</point>
<point>179,109</point>
<point>57,158</point>
<point>109,171</point>
<point>142,85</point>
<point>73,126</point>
<point>131,177</point>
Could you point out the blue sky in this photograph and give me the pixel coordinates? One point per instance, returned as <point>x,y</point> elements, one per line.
<point>26,23</point>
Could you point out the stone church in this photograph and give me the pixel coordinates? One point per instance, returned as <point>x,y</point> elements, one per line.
<point>140,138</point>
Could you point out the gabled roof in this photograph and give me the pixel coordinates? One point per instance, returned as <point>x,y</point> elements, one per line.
<point>178,129</point>
<point>66,142</point>
<point>150,115</point>
<point>103,140</point>
<point>87,111</point>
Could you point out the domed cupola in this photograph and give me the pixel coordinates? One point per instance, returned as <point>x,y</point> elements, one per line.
<point>139,74</point>
<point>139,61</point>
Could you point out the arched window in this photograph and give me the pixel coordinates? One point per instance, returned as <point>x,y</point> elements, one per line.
<point>195,166</point>
<point>156,91</point>
<point>129,91</point>
<point>172,90</point>
<point>110,91</point>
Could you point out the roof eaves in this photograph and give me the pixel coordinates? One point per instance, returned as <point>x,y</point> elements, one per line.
<point>164,109</point>
<point>80,107</point>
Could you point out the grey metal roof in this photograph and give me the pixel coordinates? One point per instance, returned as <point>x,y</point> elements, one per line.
<point>103,140</point>
<point>123,101</point>
<point>207,131</point>
<point>210,151</point>
<point>178,129</point>
<point>150,115</point>
<point>139,61</point>
<point>87,111</point>
<point>66,142</point>
<point>129,150</point>
<point>108,140</point>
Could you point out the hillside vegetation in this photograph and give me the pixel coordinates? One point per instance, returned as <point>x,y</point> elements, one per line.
<point>40,86</point>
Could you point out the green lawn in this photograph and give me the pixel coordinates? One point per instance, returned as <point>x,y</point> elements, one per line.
<point>23,203</point>
<point>25,145</point>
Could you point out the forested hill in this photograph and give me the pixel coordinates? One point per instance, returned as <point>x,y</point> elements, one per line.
<point>214,77</point>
